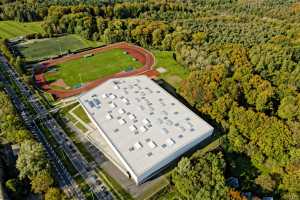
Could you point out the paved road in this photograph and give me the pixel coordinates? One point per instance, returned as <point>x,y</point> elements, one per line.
<point>65,180</point>
<point>49,122</point>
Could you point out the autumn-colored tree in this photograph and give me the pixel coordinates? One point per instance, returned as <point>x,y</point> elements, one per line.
<point>235,195</point>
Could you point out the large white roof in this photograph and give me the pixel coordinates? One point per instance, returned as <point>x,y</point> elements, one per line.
<point>144,124</point>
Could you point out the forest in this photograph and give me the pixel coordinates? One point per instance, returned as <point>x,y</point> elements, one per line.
<point>243,59</point>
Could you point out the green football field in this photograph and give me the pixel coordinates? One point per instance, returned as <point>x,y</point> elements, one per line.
<point>34,50</point>
<point>12,29</point>
<point>95,67</point>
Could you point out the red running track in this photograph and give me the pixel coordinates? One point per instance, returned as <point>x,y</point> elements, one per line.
<point>141,54</point>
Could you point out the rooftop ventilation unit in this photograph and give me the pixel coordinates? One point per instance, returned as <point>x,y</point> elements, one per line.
<point>122,121</point>
<point>170,142</point>
<point>108,117</point>
<point>151,144</point>
<point>113,105</point>
<point>131,149</point>
<point>121,111</point>
<point>104,96</point>
<point>131,117</point>
<point>138,145</point>
<point>97,102</point>
<point>143,129</point>
<point>91,104</point>
<point>132,128</point>
<point>146,121</point>
<point>112,96</point>
<point>125,100</point>
<point>116,87</point>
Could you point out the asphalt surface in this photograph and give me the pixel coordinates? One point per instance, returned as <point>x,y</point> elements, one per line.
<point>65,180</point>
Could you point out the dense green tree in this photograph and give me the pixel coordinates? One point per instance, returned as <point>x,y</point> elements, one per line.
<point>54,194</point>
<point>258,92</point>
<point>200,86</point>
<point>199,38</point>
<point>290,108</point>
<point>266,182</point>
<point>11,185</point>
<point>201,177</point>
<point>42,181</point>
<point>31,159</point>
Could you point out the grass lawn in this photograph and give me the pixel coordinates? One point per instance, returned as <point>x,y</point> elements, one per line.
<point>12,29</point>
<point>175,72</point>
<point>81,127</point>
<point>45,48</point>
<point>71,118</point>
<point>79,112</point>
<point>66,109</point>
<point>95,67</point>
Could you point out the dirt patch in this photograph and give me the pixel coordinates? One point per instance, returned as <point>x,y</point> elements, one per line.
<point>60,83</point>
<point>174,80</point>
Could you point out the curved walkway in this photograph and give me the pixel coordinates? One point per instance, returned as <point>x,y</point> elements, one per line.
<point>139,53</point>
